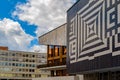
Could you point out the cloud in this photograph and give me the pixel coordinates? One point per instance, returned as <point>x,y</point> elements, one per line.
<point>47,14</point>
<point>39,48</point>
<point>13,36</point>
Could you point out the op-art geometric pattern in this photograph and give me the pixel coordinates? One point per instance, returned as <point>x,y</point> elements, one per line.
<point>95,31</point>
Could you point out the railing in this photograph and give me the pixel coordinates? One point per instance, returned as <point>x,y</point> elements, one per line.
<point>42,66</point>
<point>52,64</point>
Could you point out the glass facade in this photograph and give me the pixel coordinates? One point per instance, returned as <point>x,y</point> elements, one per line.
<point>57,57</point>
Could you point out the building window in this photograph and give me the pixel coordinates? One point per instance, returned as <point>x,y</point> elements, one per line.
<point>51,51</point>
<point>23,65</point>
<point>23,75</point>
<point>33,56</point>
<point>26,60</point>
<point>13,54</point>
<point>39,75</point>
<point>26,55</point>
<point>64,61</point>
<point>33,65</point>
<point>19,70</point>
<point>33,60</point>
<point>16,64</point>
<point>57,62</point>
<point>23,55</point>
<point>32,70</point>
<point>50,63</point>
<point>26,65</point>
<point>30,75</point>
<point>9,64</point>
<point>13,64</point>
<point>56,50</point>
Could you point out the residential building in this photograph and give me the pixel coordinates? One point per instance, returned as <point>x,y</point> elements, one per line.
<point>20,65</point>
<point>3,48</point>
<point>55,41</point>
<point>93,39</point>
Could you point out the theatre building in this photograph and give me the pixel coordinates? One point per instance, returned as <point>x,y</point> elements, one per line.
<point>55,41</point>
<point>93,39</point>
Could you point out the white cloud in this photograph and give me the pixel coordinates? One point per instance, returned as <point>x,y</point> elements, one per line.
<point>13,36</point>
<point>37,48</point>
<point>47,14</point>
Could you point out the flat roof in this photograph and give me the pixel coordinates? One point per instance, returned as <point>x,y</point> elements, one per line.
<point>21,51</point>
<point>52,30</point>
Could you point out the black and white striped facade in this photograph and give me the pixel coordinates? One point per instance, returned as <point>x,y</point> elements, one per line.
<point>93,35</point>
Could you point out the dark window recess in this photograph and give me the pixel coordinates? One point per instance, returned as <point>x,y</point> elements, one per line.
<point>56,62</point>
<point>30,75</point>
<point>63,61</point>
<point>33,55</point>
<point>23,75</point>
<point>26,55</point>
<point>26,65</point>
<point>13,64</point>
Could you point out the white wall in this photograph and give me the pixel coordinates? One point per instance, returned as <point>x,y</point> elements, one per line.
<point>61,78</point>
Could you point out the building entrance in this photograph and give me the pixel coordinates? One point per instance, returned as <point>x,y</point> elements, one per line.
<point>103,76</point>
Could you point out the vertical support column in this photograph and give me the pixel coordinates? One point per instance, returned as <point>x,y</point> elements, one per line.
<point>61,52</point>
<point>47,53</point>
<point>53,55</point>
<point>53,52</point>
<point>100,76</point>
<point>54,72</point>
<point>109,76</point>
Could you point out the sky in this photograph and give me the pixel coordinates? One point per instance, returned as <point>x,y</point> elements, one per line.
<point>23,21</point>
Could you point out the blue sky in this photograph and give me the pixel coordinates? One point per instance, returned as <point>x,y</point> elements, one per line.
<point>23,21</point>
<point>7,7</point>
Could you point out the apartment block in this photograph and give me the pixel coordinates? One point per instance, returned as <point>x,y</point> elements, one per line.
<point>20,65</point>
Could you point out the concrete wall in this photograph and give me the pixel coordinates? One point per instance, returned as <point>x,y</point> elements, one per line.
<point>54,37</point>
<point>80,77</point>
